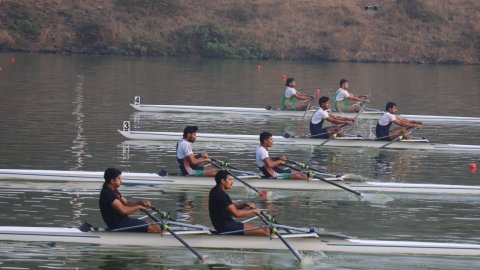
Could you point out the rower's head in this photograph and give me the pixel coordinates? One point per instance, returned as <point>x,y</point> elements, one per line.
<point>224,179</point>
<point>112,176</point>
<point>266,139</point>
<point>324,103</point>
<point>290,82</point>
<point>344,84</point>
<point>190,133</point>
<point>391,107</point>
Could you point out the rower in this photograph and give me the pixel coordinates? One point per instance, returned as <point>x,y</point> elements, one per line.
<point>292,95</point>
<point>222,209</point>
<point>115,208</point>
<point>190,164</point>
<point>316,122</point>
<point>383,131</point>
<point>342,94</point>
<point>268,166</point>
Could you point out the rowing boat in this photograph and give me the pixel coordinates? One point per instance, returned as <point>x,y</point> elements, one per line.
<point>204,239</point>
<point>312,184</point>
<point>269,111</point>
<point>418,144</point>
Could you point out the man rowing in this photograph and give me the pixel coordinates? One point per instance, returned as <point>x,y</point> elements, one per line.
<point>293,99</point>
<point>222,209</point>
<point>115,208</point>
<point>269,167</point>
<point>341,96</point>
<point>316,122</point>
<point>382,129</point>
<point>191,164</point>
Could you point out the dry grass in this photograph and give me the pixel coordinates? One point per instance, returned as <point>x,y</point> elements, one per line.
<point>417,31</point>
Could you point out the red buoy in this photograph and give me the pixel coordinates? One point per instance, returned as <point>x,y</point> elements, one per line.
<point>317,92</point>
<point>284,77</point>
<point>259,67</point>
<point>473,167</point>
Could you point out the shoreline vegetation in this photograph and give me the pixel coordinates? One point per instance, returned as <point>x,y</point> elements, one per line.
<point>396,31</point>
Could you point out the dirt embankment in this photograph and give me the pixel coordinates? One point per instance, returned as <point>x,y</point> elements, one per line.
<point>413,31</point>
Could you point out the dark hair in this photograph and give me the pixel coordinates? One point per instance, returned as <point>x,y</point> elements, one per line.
<point>111,173</point>
<point>288,81</point>
<point>323,99</point>
<point>265,135</point>
<point>342,81</point>
<point>390,105</point>
<point>221,175</point>
<point>189,130</point>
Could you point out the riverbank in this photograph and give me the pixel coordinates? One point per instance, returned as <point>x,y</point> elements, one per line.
<point>400,31</point>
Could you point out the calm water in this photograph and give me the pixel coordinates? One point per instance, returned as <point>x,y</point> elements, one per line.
<point>62,112</point>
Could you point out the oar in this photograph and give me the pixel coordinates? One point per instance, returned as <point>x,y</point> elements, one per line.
<point>306,166</point>
<point>222,167</point>
<point>225,164</point>
<point>410,130</point>
<point>165,227</point>
<point>307,109</point>
<point>328,181</point>
<point>334,135</point>
<point>273,229</point>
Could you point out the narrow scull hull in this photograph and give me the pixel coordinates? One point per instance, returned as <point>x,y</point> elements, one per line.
<point>306,242</point>
<point>374,114</point>
<point>338,142</point>
<point>313,184</point>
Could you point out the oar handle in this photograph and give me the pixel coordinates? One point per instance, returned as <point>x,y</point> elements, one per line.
<point>304,166</point>
<point>163,214</point>
<point>222,163</point>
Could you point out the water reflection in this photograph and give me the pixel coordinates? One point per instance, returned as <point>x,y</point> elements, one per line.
<point>79,142</point>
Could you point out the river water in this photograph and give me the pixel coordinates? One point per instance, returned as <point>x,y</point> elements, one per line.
<point>62,112</point>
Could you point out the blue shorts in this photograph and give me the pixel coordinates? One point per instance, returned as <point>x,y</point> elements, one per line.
<point>131,222</point>
<point>322,134</point>
<point>383,133</point>
<point>233,226</point>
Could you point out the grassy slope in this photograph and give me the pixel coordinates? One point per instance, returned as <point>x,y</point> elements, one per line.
<point>419,31</point>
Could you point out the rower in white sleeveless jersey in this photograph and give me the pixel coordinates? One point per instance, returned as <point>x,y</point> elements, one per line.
<point>293,99</point>
<point>269,167</point>
<point>341,95</point>
<point>317,130</point>
<point>382,129</point>
<point>191,164</point>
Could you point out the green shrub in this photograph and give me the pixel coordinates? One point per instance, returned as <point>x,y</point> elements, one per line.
<point>89,32</point>
<point>350,22</point>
